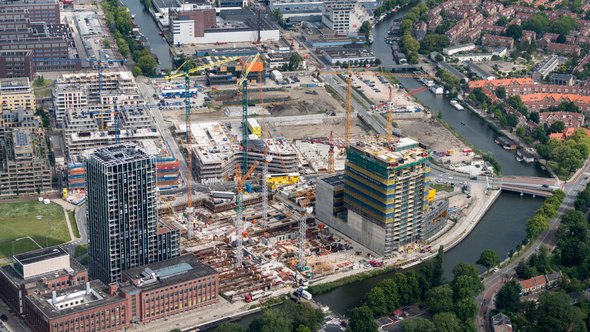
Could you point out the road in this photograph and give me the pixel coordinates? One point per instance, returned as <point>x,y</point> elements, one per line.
<point>163,127</point>
<point>495,281</point>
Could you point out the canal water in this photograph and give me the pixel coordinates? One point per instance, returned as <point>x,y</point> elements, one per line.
<point>150,30</point>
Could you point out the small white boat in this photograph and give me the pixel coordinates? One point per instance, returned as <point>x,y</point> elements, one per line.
<point>456,105</point>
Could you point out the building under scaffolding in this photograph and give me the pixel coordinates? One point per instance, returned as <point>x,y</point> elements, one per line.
<point>215,153</point>
<point>383,192</point>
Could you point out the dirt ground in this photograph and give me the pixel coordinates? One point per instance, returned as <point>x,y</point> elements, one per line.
<point>338,128</point>
<point>431,133</point>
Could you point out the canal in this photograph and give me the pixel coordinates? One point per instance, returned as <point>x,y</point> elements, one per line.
<point>150,30</point>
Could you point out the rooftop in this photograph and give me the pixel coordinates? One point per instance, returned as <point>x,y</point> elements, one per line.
<point>173,271</point>
<point>74,299</point>
<point>15,85</point>
<point>405,150</point>
<point>39,255</point>
<point>120,154</point>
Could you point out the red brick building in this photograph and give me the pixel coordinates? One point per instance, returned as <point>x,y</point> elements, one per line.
<point>170,287</point>
<point>39,272</point>
<point>497,41</point>
<point>89,307</point>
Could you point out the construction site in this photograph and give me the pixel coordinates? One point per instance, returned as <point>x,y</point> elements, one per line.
<point>239,181</point>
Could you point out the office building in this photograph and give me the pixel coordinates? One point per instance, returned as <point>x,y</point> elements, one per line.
<point>18,63</point>
<point>47,11</point>
<point>16,93</point>
<point>92,306</point>
<point>380,201</point>
<point>170,287</point>
<point>122,218</point>
<point>232,26</point>
<point>344,17</point>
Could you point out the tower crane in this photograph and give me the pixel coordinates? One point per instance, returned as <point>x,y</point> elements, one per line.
<point>185,71</point>
<point>331,155</point>
<point>243,88</point>
<point>348,104</point>
<point>390,109</point>
<point>240,179</point>
<point>267,160</point>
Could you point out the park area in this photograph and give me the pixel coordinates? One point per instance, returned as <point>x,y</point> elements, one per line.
<point>24,223</point>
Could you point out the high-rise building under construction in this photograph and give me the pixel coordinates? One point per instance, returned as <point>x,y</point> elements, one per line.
<point>122,217</point>
<point>381,201</point>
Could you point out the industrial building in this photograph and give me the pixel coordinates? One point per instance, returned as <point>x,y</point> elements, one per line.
<point>170,287</point>
<point>201,26</point>
<point>16,93</point>
<point>216,151</point>
<point>39,272</point>
<point>18,63</point>
<point>355,56</point>
<point>230,73</point>
<point>380,201</point>
<point>47,11</point>
<point>122,218</point>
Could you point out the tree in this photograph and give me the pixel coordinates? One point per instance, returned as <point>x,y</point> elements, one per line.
<point>302,314</point>
<point>465,309</point>
<point>365,29</point>
<point>488,259</point>
<point>512,120</point>
<point>270,321</point>
<point>417,324</point>
<point>440,299</point>
<point>466,286</point>
<point>561,39</point>
<point>536,225</point>
<point>538,23</point>
<point>295,61</point>
<point>434,42</point>
<point>229,327</point>
<point>106,43</point>
<point>514,31</point>
<point>508,297</point>
<point>148,64</point>
<point>136,71</point>
<point>523,270</point>
<point>556,314</point>
<point>501,92</point>
<point>438,270</point>
<point>376,301</point>
<point>502,21</point>
<point>557,127</point>
<point>446,322</point>
<point>303,328</point>
<point>563,25</point>
<point>361,320</point>
<point>534,116</point>
<point>389,288</point>
<point>276,13</point>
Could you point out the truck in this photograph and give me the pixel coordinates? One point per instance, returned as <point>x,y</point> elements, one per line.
<point>276,75</point>
<point>304,294</point>
<point>254,127</point>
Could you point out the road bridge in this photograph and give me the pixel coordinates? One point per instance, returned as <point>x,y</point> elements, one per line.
<point>532,185</point>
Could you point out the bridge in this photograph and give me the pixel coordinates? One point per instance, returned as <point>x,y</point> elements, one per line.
<point>536,186</point>
<point>402,68</point>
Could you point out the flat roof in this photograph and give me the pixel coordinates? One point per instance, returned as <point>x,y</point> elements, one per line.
<point>39,255</point>
<point>405,150</point>
<point>98,297</point>
<point>169,272</point>
<point>120,154</point>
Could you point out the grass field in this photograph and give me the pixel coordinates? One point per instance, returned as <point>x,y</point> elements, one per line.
<point>443,187</point>
<point>44,223</point>
<point>72,216</point>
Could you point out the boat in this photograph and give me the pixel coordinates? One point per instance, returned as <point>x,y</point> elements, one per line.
<point>518,158</point>
<point>463,123</point>
<point>456,105</point>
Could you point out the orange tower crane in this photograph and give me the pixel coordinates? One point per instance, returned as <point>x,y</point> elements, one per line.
<point>239,179</point>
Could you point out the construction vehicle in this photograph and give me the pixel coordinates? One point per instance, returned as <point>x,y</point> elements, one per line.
<point>239,179</point>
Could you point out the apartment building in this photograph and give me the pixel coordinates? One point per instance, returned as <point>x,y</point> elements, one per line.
<point>16,93</point>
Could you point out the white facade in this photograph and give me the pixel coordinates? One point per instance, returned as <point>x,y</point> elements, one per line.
<point>345,18</point>
<point>458,49</point>
<point>182,35</point>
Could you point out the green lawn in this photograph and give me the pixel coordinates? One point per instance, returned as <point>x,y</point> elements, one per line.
<point>72,216</point>
<point>443,187</point>
<point>44,223</point>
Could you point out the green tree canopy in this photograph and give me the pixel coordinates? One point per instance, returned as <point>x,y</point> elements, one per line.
<point>488,259</point>
<point>361,320</point>
<point>417,324</point>
<point>446,322</point>
<point>508,297</point>
<point>440,299</point>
